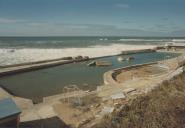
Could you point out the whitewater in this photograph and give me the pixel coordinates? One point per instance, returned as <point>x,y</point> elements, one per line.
<point>10,56</point>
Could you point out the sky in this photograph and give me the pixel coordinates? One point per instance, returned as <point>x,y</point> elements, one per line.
<point>92,18</point>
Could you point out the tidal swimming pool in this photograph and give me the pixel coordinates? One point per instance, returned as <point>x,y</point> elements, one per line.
<point>38,84</point>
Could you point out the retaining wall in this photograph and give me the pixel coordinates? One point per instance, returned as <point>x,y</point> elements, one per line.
<point>109,76</point>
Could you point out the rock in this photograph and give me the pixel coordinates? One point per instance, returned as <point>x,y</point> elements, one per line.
<point>12,50</point>
<point>86,57</point>
<point>67,58</point>
<point>78,58</point>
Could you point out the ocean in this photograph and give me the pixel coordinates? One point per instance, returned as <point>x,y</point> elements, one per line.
<point>15,50</point>
<point>71,42</point>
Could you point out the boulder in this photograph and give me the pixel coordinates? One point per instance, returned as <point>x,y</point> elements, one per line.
<point>67,58</point>
<point>86,57</point>
<point>78,58</point>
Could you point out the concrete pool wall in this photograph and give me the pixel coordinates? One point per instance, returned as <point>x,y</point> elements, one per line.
<point>109,76</point>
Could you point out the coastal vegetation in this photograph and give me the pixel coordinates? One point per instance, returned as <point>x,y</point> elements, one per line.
<point>164,107</point>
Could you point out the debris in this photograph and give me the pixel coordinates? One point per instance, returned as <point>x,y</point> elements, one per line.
<point>93,63</point>
<point>84,122</point>
<point>130,58</point>
<point>129,90</point>
<point>118,96</point>
<point>99,63</point>
<point>103,63</point>
<point>106,110</point>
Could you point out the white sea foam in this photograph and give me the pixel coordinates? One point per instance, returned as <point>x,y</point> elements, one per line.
<point>178,40</point>
<point>140,40</point>
<point>103,39</point>
<point>9,56</point>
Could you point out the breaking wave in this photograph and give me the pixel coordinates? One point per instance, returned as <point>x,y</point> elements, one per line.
<point>13,56</point>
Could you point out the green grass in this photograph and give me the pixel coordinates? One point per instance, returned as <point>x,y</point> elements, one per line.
<point>164,107</point>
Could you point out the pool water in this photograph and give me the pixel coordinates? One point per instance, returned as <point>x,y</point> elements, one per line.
<point>37,84</point>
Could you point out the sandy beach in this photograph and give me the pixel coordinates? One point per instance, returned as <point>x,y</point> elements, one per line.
<point>14,56</point>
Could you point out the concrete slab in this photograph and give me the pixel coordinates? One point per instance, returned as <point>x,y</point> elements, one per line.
<point>46,112</point>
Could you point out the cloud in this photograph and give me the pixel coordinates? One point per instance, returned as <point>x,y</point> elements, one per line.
<point>125,6</point>
<point>8,21</point>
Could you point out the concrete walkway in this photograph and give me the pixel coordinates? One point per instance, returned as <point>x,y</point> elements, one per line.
<point>24,68</point>
<point>4,94</point>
